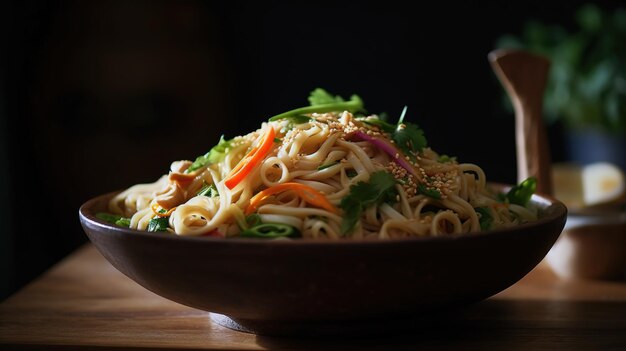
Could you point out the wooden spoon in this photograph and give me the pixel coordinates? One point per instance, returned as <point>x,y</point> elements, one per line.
<point>524,77</point>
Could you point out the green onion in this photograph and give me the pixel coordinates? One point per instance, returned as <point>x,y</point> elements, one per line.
<point>485,219</point>
<point>208,190</point>
<point>521,193</point>
<point>270,231</point>
<point>158,224</point>
<point>114,219</point>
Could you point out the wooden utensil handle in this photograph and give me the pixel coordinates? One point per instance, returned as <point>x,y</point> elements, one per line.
<point>524,77</point>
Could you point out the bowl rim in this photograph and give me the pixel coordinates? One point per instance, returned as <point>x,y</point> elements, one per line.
<point>560,211</point>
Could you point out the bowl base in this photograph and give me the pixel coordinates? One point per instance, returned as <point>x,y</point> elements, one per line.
<point>375,327</point>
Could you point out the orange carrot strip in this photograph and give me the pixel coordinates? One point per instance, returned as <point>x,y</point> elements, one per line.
<point>305,192</point>
<point>251,160</point>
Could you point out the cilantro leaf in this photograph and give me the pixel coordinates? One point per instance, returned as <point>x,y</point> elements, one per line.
<point>409,138</point>
<point>215,155</point>
<point>379,189</point>
<point>320,96</point>
<point>323,102</point>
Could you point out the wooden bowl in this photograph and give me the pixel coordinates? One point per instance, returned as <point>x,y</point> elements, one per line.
<point>591,246</point>
<point>306,287</point>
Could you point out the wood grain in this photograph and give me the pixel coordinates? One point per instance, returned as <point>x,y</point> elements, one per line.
<point>524,76</point>
<point>84,303</point>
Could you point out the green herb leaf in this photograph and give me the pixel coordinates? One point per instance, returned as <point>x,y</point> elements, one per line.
<point>434,193</point>
<point>208,190</point>
<point>123,222</point>
<point>485,219</point>
<point>114,219</point>
<point>295,120</point>
<point>351,173</point>
<point>586,67</point>
<point>321,103</point>
<point>270,231</point>
<point>158,224</point>
<point>215,155</point>
<point>409,138</point>
<point>320,96</point>
<point>384,126</point>
<point>521,193</point>
<point>327,165</point>
<point>253,220</point>
<point>446,159</point>
<point>379,189</point>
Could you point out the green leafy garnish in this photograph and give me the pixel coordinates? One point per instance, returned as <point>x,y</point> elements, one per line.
<point>327,165</point>
<point>295,120</point>
<point>123,222</point>
<point>270,231</point>
<point>215,155</point>
<point>253,220</point>
<point>408,137</point>
<point>383,125</point>
<point>521,193</point>
<point>320,96</point>
<point>351,173</point>
<point>485,219</point>
<point>434,193</point>
<point>321,101</point>
<point>114,219</point>
<point>446,159</point>
<point>208,190</point>
<point>158,224</point>
<point>246,222</point>
<point>379,189</point>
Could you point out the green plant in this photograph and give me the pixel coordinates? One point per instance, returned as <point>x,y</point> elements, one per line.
<point>587,81</point>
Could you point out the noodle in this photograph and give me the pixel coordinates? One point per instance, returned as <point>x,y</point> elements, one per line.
<point>300,181</point>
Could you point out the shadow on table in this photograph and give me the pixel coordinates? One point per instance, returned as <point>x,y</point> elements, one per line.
<point>492,324</point>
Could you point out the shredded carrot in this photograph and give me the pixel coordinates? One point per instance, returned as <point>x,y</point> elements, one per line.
<point>251,160</point>
<point>164,214</point>
<point>305,192</point>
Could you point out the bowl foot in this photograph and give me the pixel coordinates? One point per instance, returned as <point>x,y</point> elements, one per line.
<point>325,329</point>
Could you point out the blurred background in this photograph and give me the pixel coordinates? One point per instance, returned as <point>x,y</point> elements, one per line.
<point>97,96</point>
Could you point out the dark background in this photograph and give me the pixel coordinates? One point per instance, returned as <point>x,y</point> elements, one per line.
<point>99,95</point>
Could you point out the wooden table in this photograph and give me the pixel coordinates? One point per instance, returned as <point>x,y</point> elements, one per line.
<point>85,303</point>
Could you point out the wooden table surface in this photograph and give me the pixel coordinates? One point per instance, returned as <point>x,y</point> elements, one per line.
<point>85,303</point>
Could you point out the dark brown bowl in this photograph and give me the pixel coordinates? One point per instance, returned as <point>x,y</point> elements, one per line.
<point>320,288</point>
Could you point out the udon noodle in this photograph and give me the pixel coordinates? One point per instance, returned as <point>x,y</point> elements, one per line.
<point>327,175</point>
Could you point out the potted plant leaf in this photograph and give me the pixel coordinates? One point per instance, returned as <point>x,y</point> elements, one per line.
<point>586,88</point>
<point>586,93</point>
